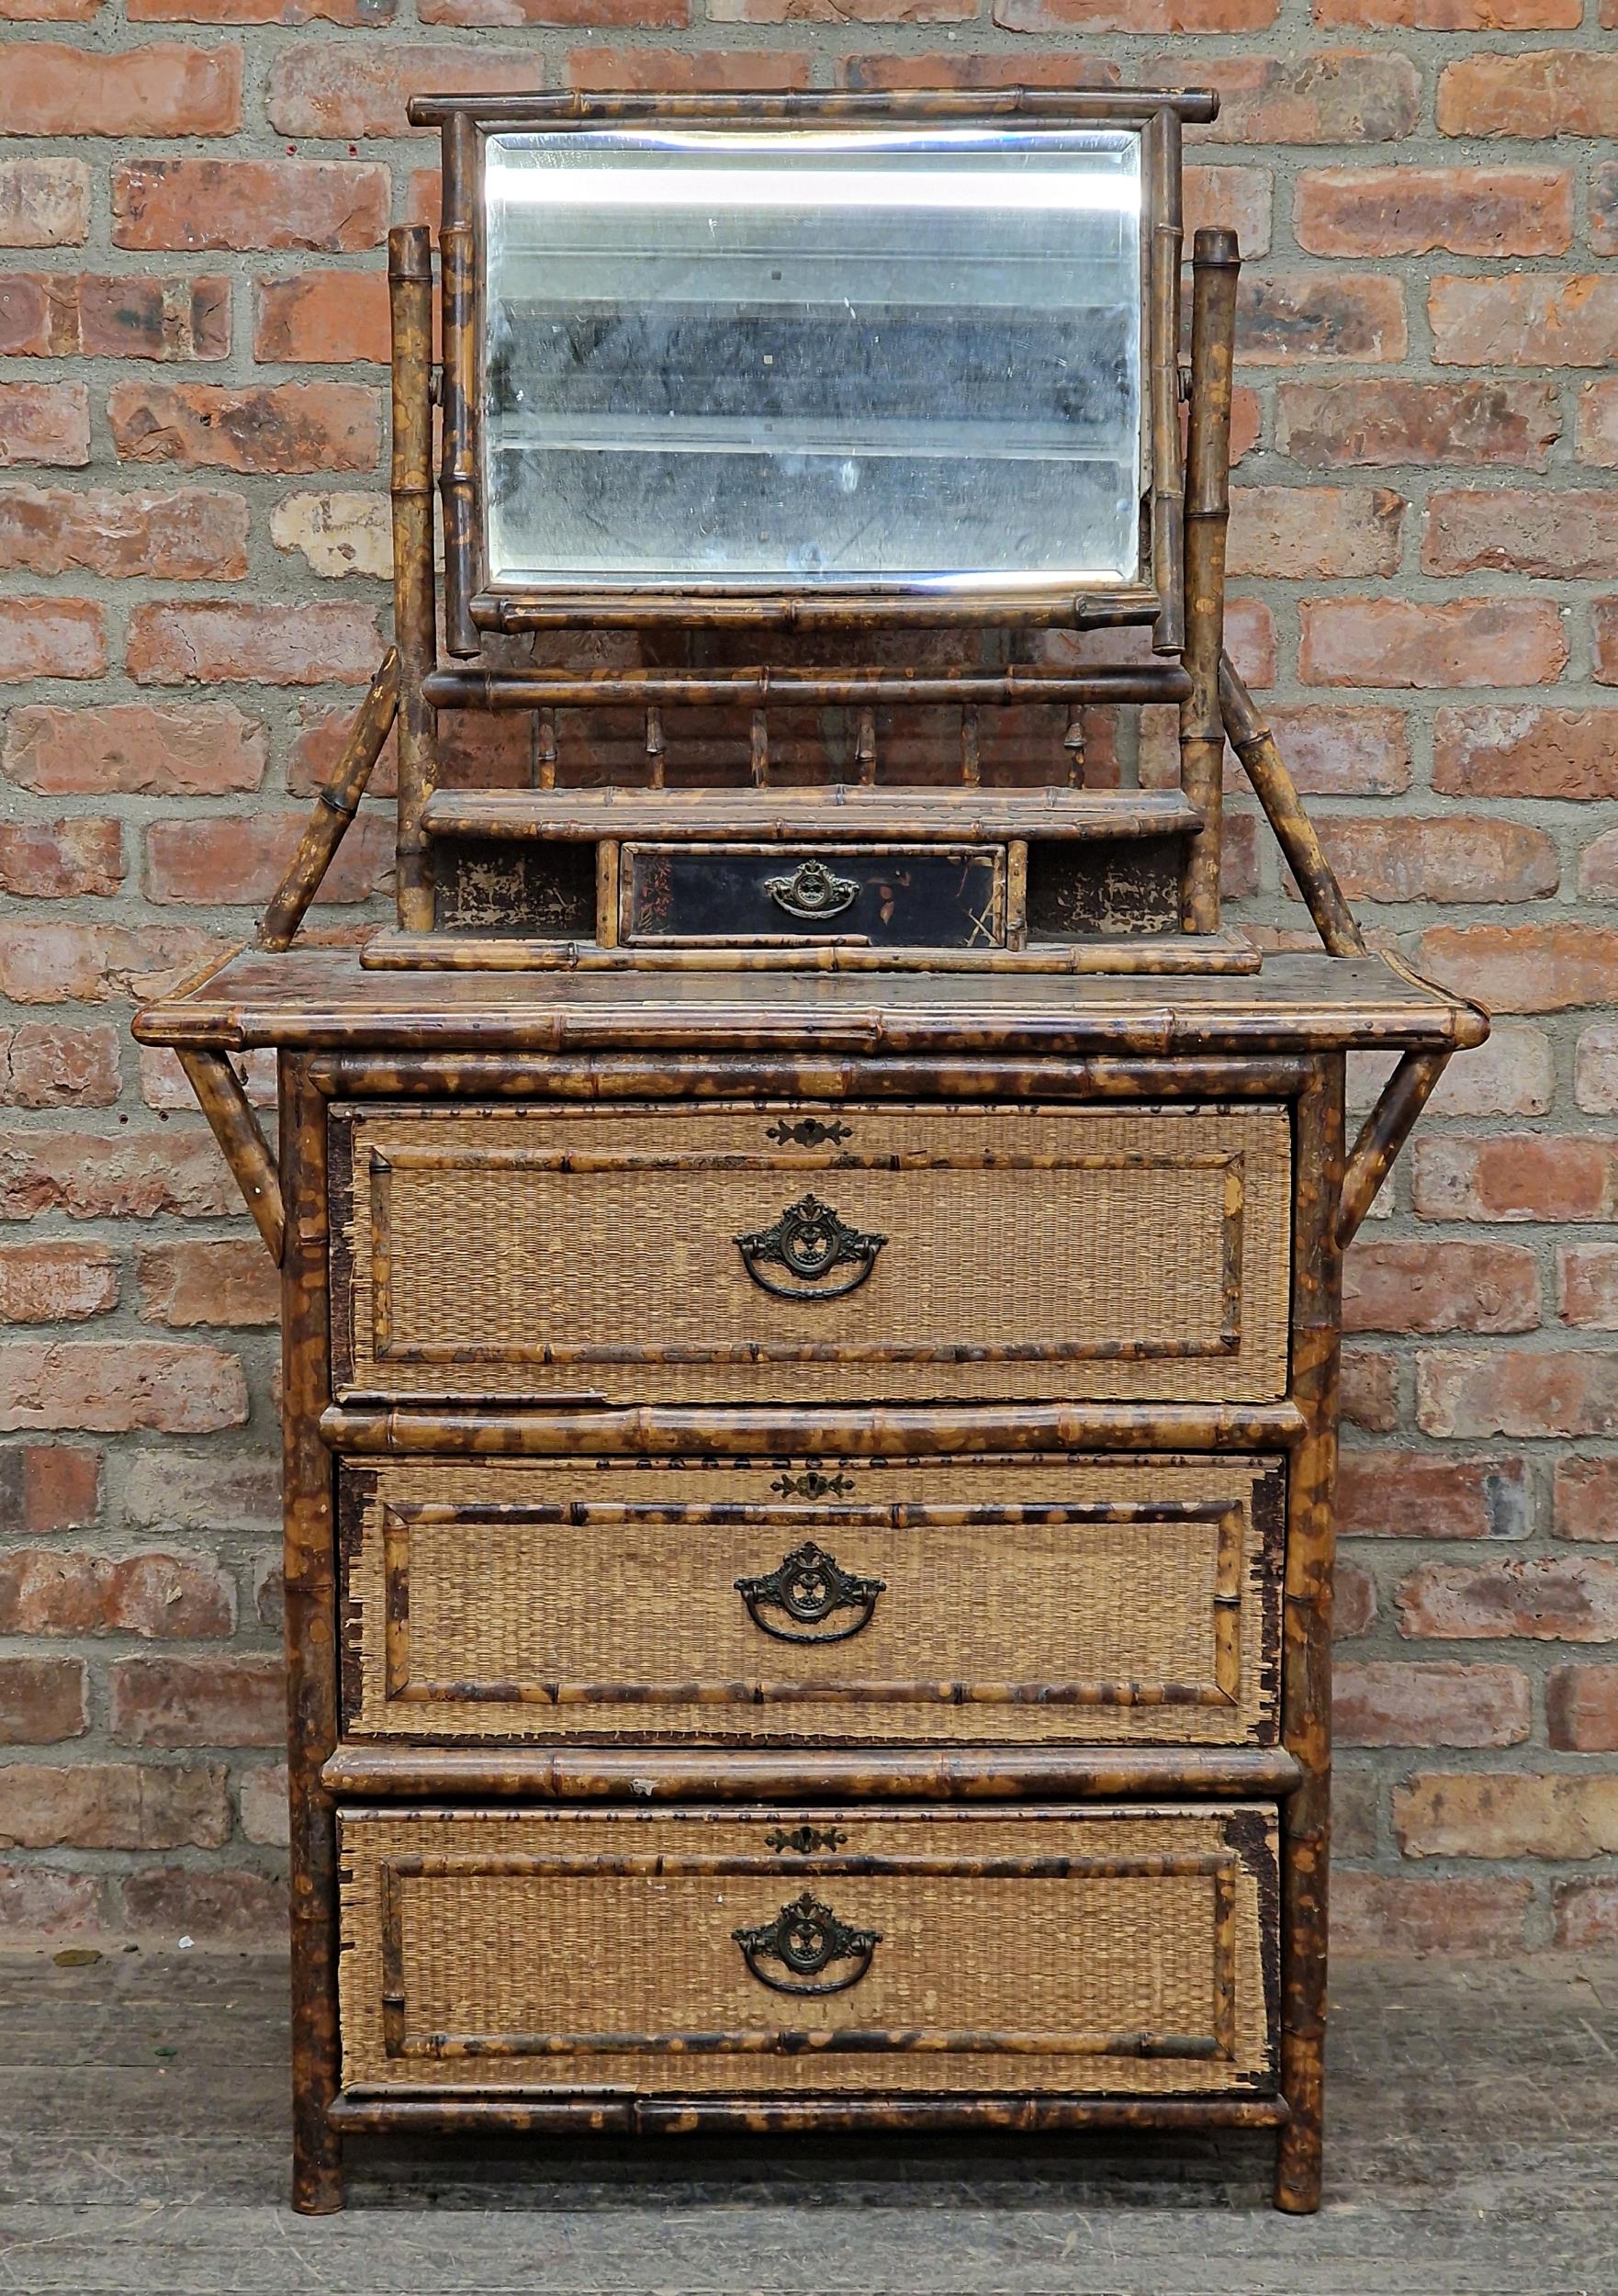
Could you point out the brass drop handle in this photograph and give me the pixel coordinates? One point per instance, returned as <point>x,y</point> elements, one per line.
<point>805,1939</point>
<point>813,892</point>
<point>808,1587</point>
<point>812,1243</point>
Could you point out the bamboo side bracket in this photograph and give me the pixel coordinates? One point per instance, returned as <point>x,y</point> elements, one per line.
<point>1383,1134</point>
<point>231,1120</point>
<point>1295,833</point>
<point>335,807</point>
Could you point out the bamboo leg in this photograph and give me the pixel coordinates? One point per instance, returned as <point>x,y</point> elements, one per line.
<point>1305,1647</point>
<point>1207,513</point>
<point>311,1649</point>
<point>236,1128</point>
<point>334,807</point>
<point>409,285</point>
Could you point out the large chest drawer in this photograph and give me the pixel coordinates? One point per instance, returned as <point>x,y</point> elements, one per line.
<point>1122,1600</point>
<point>743,1255</point>
<point>1116,1951</point>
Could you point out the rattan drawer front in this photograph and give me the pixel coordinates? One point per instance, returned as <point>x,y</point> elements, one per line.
<point>1110,1952</point>
<point>748,1255</point>
<point>1019,1600</point>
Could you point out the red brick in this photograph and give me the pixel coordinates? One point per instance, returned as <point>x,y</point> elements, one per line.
<point>113,1806</point>
<point>1523,531</point>
<point>45,1067</point>
<point>1344,752</point>
<point>242,858</point>
<point>44,424</point>
<point>1499,750</point>
<point>1370,1390</point>
<point>338,535</point>
<point>170,1490</point>
<point>1496,1814</point>
<point>1396,1284</point>
<point>1336,96</point>
<point>1320,315</point>
<point>325,88</point>
<point>1290,533</point>
<point>1154,17</point>
<point>47,1487</point>
<point>56,1283</point>
<point>1419,210</point>
<point>1596,425</point>
<point>48,11</point>
<point>1512,1074</point>
<point>1595,1069</point>
<point>1424,1494</point>
<point>163,1083</point>
<point>161,89</point>
<point>334,318</point>
<point>42,1701</point>
<point>136,748</point>
<point>53,314</point>
<point>1585,1502</point>
<point>265,1813</point>
<point>978,69</point>
<point>1603,632</point>
<point>719,71</point>
<point>1526,968</point>
<point>366,14</point>
<point>42,1900</point>
<point>1547,92</point>
<point>1403,642</point>
<point>1392,1914</point>
<point>1520,1176</point>
<point>44,202</point>
<point>1381,856</point>
<point>50,638</point>
<point>1527,320</point>
<point>1581,1709</point>
<point>325,204</point>
<point>1381,421</point>
<point>1518,1392</point>
<point>50,962</point>
<point>1587,1916</point>
<point>280,429</point>
<point>184,535</point>
<point>210,1904</point>
<point>1236,199</point>
<point>198,1702</point>
<point>120,1175</point>
<point>1597,869</point>
<point>160,1597</point>
<point>1398,1702</point>
<point>1540,1598</point>
<point>1452,15</point>
<point>228,1281</point>
<point>107,1386</point>
<point>1354,1611</point>
<point>263,645</point>
<point>1587,1285</point>
<point>49,861</point>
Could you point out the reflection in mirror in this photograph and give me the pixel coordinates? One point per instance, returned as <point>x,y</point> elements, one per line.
<point>835,358</point>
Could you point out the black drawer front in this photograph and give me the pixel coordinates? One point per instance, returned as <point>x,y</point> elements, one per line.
<point>907,896</point>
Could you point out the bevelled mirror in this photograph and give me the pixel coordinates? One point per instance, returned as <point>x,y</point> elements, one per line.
<point>835,357</point>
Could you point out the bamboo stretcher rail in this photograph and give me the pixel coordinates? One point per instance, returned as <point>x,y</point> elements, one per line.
<point>826,689</point>
<point>1196,104</point>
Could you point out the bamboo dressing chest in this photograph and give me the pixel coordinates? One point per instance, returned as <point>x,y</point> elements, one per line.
<point>811,1257</point>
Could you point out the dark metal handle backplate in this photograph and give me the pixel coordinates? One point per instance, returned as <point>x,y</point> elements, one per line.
<point>812,1243</point>
<point>813,892</point>
<point>808,1588</point>
<point>806,1940</point>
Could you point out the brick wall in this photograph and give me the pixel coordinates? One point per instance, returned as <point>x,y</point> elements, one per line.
<point>192,320</point>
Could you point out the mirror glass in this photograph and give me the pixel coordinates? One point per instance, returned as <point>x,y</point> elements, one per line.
<point>830,358</point>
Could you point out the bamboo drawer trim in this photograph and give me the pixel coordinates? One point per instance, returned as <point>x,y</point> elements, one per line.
<point>712,1254</point>
<point>1127,1600</point>
<point>1138,1944</point>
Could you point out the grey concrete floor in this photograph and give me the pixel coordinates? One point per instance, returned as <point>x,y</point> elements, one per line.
<point>1472,2151</point>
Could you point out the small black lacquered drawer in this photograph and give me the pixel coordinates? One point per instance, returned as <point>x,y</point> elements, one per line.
<point>915,895</point>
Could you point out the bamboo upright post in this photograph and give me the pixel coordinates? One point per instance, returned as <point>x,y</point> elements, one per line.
<point>1215,263</point>
<point>1162,160</point>
<point>410,289</point>
<point>457,265</point>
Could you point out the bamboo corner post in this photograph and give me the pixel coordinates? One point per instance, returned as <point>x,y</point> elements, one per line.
<point>1215,268</point>
<point>410,289</point>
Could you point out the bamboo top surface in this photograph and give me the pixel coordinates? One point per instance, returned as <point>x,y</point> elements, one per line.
<point>818,815</point>
<point>322,998</point>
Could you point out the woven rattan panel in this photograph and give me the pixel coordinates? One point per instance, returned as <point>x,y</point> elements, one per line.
<point>1023,1253</point>
<point>1101,1951</point>
<point>595,1599</point>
